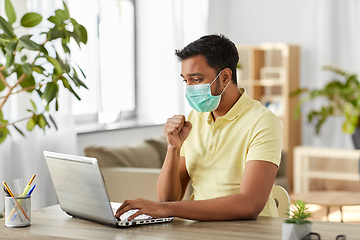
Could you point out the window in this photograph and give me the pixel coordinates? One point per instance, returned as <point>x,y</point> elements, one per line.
<point>108,59</point>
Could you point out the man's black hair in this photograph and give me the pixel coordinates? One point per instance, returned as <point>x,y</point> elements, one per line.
<point>219,52</point>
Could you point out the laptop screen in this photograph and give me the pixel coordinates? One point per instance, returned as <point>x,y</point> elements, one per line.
<point>80,187</point>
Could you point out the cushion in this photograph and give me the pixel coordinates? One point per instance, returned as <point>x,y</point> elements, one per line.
<point>141,154</point>
<point>160,144</point>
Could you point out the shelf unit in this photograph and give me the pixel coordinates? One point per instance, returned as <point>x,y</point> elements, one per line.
<point>304,154</point>
<point>269,73</point>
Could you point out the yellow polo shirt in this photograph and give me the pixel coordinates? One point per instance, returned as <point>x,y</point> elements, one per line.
<point>216,152</point>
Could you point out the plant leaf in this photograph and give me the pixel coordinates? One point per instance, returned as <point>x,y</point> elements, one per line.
<point>29,80</point>
<point>6,27</point>
<point>38,69</point>
<point>83,32</point>
<point>18,129</point>
<point>31,19</point>
<point>2,86</point>
<point>10,13</point>
<point>29,44</point>
<point>31,124</point>
<point>80,70</point>
<point>68,86</point>
<point>9,59</point>
<point>3,40</point>
<point>9,52</point>
<point>66,11</point>
<point>3,134</point>
<point>55,20</point>
<point>33,105</point>
<point>55,33</point>
<point>61,14</point>
<point>24,58</point>
<point>27,69</point>
<point>56,64</point>
<point>53,121</point>
<point>49,93</point>
<point>10,47</point>
<point>77,81</point>
<point>42,122</point>
<point>56,104</point>
<point>66,48</point>
<point>334,70</point>
<point>64,65</point>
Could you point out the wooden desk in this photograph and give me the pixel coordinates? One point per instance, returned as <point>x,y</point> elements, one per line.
<point>52,223</point>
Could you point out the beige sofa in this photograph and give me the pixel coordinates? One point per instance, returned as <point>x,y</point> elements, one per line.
<point>131,171</point>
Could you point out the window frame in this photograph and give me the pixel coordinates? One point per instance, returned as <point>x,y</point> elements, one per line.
<point>93,118</point>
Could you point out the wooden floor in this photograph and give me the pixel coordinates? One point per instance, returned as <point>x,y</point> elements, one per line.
<point>351,214</point>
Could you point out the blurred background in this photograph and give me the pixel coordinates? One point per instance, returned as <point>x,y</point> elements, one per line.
<point>134,78</point>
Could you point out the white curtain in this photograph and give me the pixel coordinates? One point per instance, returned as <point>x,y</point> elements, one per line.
<point>162,27</point>
<point>336,38</point>
<point>22,157</point>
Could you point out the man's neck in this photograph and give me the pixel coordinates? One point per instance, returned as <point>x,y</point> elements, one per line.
<point>227,102</point>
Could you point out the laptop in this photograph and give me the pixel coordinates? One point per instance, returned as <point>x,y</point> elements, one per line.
<point>81,191</point>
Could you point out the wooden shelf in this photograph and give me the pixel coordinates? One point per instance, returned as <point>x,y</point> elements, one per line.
<point>262,82</point>
<point>303,155</point>
<point>269,73</point>
<point>332,175</point>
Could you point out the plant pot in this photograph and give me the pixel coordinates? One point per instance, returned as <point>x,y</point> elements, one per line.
<point>291,231</point>
<point>356,138</point>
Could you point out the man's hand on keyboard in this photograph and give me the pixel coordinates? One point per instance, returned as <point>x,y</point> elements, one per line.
<point>126,215</point>
<point>153,209</point>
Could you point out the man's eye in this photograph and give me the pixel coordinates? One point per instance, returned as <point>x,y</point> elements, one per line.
<point>196,80</point>
<point>184,80</point>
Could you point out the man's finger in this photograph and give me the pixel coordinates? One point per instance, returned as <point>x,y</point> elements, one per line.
<point>123,208</point>
<point>138,213</point>
<point>188,125</point>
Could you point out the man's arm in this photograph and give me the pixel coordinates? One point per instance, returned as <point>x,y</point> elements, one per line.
<point>173,178</point>
<point>256,184</point>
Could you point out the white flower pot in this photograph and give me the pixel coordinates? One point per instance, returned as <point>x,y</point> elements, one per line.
<point>291,231</point>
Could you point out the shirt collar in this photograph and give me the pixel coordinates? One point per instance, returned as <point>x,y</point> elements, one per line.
<point>233,112</point>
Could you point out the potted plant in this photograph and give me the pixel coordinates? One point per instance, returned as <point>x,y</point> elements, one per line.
<point>297,225</point>
<point>41,67</point>
<point>343,99</point>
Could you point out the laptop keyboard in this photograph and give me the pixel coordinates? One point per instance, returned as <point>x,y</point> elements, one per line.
<point>127,214</point>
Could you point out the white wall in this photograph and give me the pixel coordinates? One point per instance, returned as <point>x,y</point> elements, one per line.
<point>317,26</point>
<point>307,23</point>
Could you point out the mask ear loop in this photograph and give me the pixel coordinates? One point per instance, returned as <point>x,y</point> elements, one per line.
<point>225,87</point>
<point>216,77</point>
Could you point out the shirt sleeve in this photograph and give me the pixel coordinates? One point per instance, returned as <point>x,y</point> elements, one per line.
<point>266,140</point>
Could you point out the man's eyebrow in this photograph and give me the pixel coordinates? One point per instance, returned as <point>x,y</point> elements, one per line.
<point>193,74</point>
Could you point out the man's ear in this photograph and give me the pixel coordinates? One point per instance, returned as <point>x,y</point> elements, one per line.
<point>226,76</point>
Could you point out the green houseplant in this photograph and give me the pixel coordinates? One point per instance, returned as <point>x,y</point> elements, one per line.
<point>297,225</point>
<point>343,99</point>
<point>41,67</point>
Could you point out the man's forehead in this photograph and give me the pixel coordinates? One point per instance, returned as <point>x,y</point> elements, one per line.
<point>196,74</point>
<point>195,66</point>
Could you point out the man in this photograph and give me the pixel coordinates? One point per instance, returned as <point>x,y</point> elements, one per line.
<point>229,147</point>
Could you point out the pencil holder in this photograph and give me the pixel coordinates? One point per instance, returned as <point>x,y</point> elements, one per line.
<point>17,211</point>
